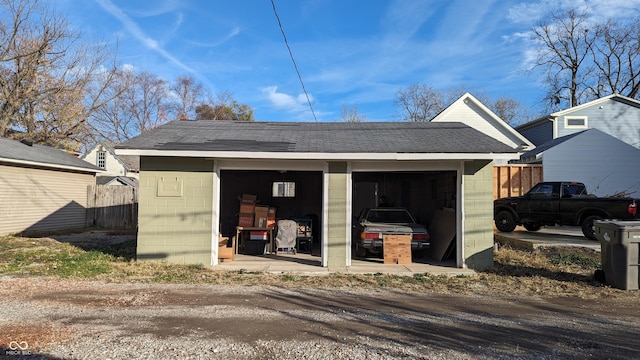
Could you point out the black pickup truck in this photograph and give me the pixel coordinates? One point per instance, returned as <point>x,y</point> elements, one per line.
<point>560,203</point>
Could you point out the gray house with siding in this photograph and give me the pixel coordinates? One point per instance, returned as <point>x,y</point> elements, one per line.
<point>596,143</point>
<point>192,173</point>
<point>616,115</point>
<point>606,165</point>
<point>41,188</point>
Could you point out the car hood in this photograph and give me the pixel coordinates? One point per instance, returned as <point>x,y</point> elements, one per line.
<point>505,200</point>
<point>394,228</point>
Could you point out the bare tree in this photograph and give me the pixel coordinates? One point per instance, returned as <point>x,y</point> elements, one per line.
<point>50,82</point>
<point>507,109</point>
<point>616,55</point>
<point>190,95</point>
<point>138,105</point>
<point>420,102</point>
<point>567,41</point>
<point>352,115</point>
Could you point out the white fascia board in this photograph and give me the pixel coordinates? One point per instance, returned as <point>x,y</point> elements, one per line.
<point>48,165</point>
<point>318,156</point>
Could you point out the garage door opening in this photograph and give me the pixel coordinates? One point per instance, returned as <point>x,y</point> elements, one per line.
<point>294,196</point>
<point>430,197</point>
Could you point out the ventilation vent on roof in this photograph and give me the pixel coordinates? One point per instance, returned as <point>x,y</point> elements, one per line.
<point>27,142</point>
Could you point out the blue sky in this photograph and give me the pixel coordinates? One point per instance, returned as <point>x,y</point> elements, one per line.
<point>359,53</point>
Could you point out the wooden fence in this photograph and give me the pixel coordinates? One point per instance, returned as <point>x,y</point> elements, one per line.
<point>112,207</point>
<point>515,180</point>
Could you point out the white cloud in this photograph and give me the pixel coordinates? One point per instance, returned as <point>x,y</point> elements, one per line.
<point>235,31</point>
<point>128,68</point>
<point>532,13</point>
<point>135,30</point>
<point>284,101</point>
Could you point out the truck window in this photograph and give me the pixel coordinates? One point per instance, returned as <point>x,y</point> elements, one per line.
<point>573,189</point>
<point>545,191</point>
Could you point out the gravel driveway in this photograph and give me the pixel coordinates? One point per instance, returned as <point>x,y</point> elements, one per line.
<point>64,319</point>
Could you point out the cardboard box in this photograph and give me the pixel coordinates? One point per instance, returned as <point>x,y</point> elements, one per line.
<point>397,249</point>
<point>245,220</point>
<point>258,235</point>
<point>261,215</point>
<point>248,198</point>
<point>223,240</point>
<point>225,252</point>
<point>247,208</point>
<point>404,257</point>
<point>390,253</point>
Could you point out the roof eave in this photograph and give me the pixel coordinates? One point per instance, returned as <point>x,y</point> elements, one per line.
<point>595,102</point>
<point>319,155</point>
<point>48,165</point>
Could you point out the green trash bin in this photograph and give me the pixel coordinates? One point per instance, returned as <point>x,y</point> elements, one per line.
<point>620,249</point>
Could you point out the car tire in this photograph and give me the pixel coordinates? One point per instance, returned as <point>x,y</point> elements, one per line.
<point>418,254</point>
<point>587,226</point>
<point>505,222</point>
<point>532,226</point>
<point>360,251</point>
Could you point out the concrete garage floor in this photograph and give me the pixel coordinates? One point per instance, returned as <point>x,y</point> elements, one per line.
<point>307,264</point>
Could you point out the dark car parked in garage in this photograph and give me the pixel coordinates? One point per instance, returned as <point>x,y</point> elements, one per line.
<point>373,223</point>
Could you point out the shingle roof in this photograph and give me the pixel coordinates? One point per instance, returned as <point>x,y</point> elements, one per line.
<point>132,162</point>
<point>125,180</point>
<point>531,155</point>
<point>18,152</point>
<point>338,137</point>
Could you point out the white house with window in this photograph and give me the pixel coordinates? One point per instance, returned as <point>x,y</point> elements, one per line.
<point>118,170</point>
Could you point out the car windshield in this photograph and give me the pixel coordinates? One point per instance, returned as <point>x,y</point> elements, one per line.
<point>389,216</point>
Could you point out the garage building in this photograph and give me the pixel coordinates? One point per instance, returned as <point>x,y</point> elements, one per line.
<point>192,174</point>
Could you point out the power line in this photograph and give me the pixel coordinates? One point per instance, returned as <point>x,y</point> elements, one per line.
<point>295,66</point>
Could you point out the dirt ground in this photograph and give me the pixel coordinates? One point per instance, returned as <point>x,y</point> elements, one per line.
<point>47,318</point>
<point>395,324</point>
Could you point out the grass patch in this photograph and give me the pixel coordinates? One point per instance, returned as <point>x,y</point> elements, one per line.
<point>572,258</point>
<point>124,250</point>
<point>43,256</point>
<point>558,271</point>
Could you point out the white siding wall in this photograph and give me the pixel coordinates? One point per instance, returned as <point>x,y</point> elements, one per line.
<point>113,166</point>
<point>476,118</point>
<point>605,164</point>
<point>37,199</point>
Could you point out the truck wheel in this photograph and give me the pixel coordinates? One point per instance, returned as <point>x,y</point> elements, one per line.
<point>505,222</point>
<point>587,226</point>
<point>532,226</point>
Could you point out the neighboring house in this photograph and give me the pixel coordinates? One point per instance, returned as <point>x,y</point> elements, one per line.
<point>606,165</point>
<point>470,111</point>
<point>192,173</point>
<point>113,165</point>
<point>41,188</point>
<point>616,115</point>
